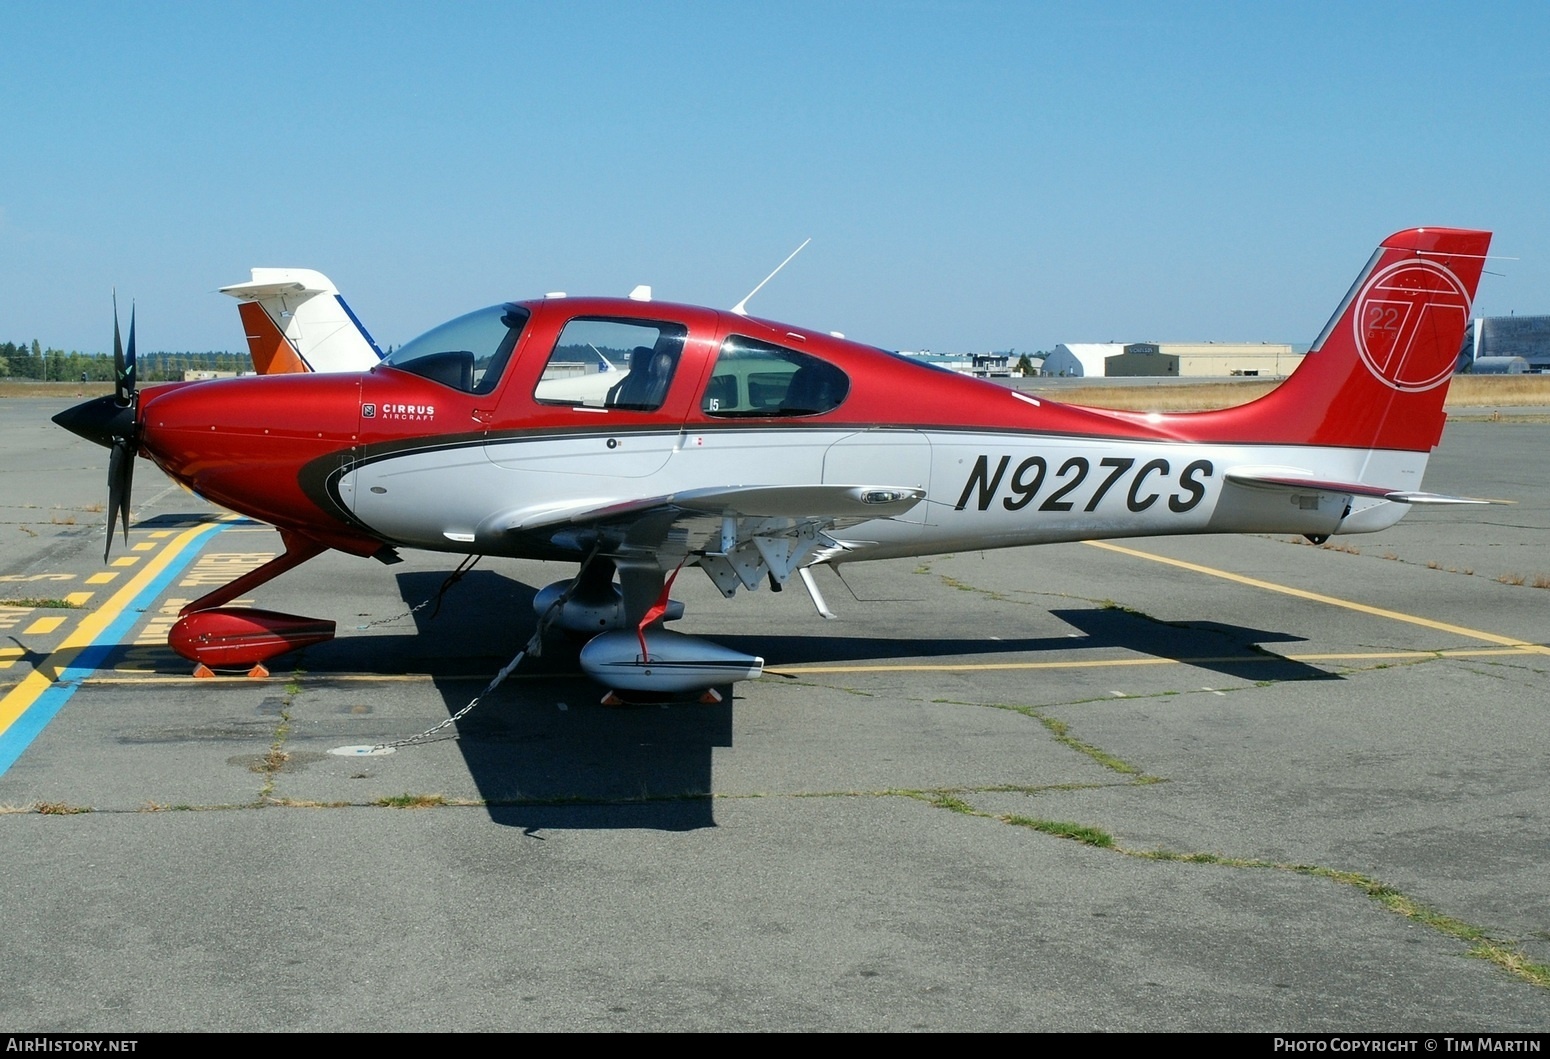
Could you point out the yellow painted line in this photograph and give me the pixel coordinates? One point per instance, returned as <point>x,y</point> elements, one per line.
<point>43,625</point>
<point>1446,652</point>
<point>1105,663</point>
<point>1334,601</point>
<point>78,599</point>
<point>121,677</point>
<point>16,702</point>
<point>100,579</point>
<point>980,667</point>
<point>144,546</point>
<point>127,560</point>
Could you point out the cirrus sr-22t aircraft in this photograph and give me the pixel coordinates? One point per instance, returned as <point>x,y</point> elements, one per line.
<point>635,437</point>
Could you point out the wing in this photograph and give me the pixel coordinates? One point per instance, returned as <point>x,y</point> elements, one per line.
<point>738,535</point>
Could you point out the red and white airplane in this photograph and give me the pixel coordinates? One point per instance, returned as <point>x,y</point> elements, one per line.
<point>635,437</point>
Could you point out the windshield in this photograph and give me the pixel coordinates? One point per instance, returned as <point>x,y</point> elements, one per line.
<point>468,353</point>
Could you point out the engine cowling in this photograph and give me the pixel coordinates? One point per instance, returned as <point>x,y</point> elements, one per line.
<point>673,663</point>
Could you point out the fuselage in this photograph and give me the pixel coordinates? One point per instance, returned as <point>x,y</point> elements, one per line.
<point>423,455</point>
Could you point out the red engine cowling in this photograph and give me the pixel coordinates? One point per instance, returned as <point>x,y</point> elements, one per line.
<point>238,637</point>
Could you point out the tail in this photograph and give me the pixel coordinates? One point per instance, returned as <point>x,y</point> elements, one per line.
<point>296,321</point>
<point>1379,372</point>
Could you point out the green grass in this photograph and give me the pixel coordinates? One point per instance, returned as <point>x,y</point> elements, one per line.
<point>1088,836</point>
<point>1062,733</point>
<point>1482,945</point>
<point>411,801</point>
<point>953,803</point>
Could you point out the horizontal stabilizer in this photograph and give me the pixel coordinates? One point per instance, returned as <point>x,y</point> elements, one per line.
<point>1294,484</point>
<point>273,282</point>
<point>1441,498</point>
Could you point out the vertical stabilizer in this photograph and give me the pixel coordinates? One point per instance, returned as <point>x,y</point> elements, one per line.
<point>295,321</point>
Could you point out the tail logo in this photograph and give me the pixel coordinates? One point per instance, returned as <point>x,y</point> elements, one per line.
<point>1409,323</point>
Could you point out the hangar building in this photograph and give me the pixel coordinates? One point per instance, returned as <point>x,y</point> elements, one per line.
<point>1187,360</point>
<point>1500,366</point>
<point>1511,336</point>
<point>1081,360</point>
<point>1204,360</point>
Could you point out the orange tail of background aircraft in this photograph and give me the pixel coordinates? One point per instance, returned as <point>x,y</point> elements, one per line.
<point>295,321</point>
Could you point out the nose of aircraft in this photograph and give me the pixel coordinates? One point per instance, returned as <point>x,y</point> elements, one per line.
<point>99,420</point>
<point>246,443</point>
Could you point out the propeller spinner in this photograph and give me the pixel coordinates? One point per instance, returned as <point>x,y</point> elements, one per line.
<point>110,422</point>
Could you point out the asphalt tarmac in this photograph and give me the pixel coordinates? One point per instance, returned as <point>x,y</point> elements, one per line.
<point>1236,783</point>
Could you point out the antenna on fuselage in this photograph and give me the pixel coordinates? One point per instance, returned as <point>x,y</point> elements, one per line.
<point>741,308</point>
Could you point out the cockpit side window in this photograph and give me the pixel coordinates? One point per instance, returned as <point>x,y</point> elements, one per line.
<point>753,378</point>
<point>468,353</point>
<point>601,362</point>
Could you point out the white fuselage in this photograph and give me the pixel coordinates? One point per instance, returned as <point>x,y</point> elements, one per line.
<point>985,489</point>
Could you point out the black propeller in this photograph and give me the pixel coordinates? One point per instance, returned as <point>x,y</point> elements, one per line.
<point>123,366</point>
<point>110,422</point>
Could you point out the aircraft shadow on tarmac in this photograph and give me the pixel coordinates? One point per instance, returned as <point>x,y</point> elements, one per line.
<point>1231,650</point>
<point>183,520</point>
<point>545,755</point>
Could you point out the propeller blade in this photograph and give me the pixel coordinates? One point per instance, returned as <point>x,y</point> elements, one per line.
<point>119,459</point>
<point>128,485</point>
<point>119,392</point>
<point>127,379</point>
<point>110,421</point>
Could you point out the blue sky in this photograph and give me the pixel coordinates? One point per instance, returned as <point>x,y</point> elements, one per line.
<point>974,175</point>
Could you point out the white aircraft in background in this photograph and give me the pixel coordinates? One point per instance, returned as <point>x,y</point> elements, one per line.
<point>295,320</point>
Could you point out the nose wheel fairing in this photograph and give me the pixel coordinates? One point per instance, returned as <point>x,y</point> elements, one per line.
<point>244,637</point>
<point>221,637</point>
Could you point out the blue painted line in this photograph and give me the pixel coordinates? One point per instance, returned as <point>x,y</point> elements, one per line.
<point>19,736</point>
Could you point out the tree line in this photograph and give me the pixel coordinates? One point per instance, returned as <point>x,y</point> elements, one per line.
<point>29,360</point>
